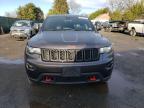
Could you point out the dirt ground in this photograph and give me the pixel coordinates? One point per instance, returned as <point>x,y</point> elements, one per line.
<point>124,90</point>
<point>11,48</point>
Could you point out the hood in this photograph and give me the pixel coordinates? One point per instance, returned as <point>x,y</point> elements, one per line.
<point>20,28</point>
<point>68,39</point>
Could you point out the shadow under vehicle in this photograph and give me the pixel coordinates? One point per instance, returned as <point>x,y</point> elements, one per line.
<point>119,26</point>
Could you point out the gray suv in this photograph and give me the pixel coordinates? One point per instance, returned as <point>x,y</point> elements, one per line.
<point>23,29</point>
<point>68,50</point>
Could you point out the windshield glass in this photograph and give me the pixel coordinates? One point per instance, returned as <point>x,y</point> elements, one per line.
<point>21,23</point>
<point>62,23</point>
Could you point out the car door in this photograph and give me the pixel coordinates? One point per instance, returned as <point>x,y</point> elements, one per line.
<point>139,27</point>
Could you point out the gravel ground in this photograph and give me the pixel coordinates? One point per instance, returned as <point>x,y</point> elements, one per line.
<point>124,90</point>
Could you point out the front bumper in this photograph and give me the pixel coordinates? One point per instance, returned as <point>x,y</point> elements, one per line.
<point>20,34</point>
<point>86,72</point>
<point>118,29</point>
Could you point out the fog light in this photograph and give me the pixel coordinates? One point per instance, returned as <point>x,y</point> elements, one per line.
<point>92,78</point>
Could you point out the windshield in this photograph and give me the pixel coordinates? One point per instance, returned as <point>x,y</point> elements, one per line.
<point>21,23</point>
<point>62,23</point>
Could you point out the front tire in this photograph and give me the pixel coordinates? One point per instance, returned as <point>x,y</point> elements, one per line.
<point>132,32</point>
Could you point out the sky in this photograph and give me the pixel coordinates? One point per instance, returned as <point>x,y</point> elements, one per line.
<point>87,6</point>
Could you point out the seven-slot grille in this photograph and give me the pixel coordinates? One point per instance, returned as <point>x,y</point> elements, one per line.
<point>70,55</point>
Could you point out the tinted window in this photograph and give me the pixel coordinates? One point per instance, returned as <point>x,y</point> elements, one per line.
<point>67,23</point>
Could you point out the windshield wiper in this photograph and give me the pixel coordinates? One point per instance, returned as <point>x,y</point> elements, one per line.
<point>68,29</point>
<point>52,30</point>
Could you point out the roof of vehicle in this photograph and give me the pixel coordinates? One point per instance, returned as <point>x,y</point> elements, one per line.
<point>139,20</point>
<point>68,15</point>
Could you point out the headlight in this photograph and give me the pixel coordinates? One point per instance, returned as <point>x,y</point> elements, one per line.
<point>31,50</point>
<point>27,30</point>
<point>105,49</point>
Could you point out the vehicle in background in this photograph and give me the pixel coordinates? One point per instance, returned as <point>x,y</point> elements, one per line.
<point>119,26</point>
<point>106,25</point>
<point>68,50</point>
<point>23,29</point>
<point>136,27</point>
<point>98,25</point>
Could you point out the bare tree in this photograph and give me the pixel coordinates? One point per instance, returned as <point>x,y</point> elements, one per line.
<point>121,4</point>
<point>75,8</point>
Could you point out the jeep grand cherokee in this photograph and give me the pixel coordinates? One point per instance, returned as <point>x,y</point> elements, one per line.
<point>68,50</point>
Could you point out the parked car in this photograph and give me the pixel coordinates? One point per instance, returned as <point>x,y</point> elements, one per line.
<point>119,26</point>
<point>106,26</point>
<point>98,25</point>
<point>68,50</point>
<point>136,27</point>
<point>23,29</point>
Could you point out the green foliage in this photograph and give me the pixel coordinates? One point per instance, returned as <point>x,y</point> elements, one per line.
<point>59,7</point>
<point>98,12</point>
<point>39,14</point>
<point>30,11</point>
<point>51,12</point>
<point>129,15</point>
<point>116,15</point>
<point>135,11</point>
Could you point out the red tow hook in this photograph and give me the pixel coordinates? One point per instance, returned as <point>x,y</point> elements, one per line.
<point>48,78</point>
<point>92,78</point>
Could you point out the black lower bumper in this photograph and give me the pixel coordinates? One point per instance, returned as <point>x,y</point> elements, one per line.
<point>77,74</point>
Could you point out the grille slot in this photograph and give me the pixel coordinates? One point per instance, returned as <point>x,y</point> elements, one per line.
<point>70,55</point>
<point>79,55</point>
<point>87,54</point>
<point>54,55</point>
<point>62,55</point>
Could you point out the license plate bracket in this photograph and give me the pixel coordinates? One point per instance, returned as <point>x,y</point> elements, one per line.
<point>71,72</point>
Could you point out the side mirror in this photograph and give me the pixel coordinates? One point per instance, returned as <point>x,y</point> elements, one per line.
<point>36,26</point>
<point>40,25</point>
